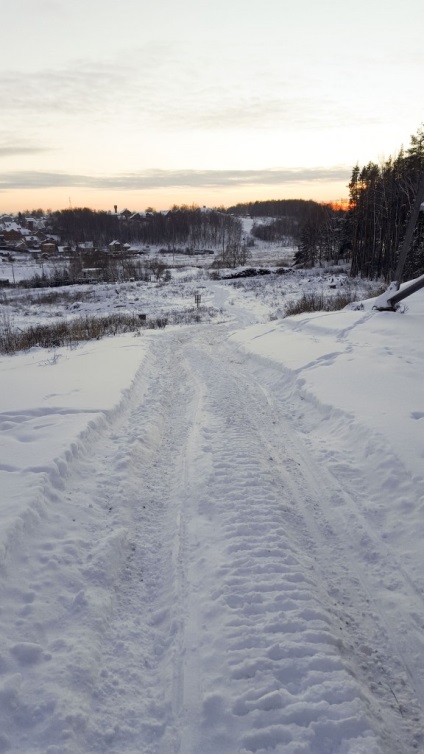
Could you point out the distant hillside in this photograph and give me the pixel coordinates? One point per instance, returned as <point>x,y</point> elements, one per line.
<point>315,228</point>
<point>294,208</point>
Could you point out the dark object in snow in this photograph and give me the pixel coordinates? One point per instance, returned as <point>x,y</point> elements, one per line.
<point>389,300</point>
<point>249,272</point>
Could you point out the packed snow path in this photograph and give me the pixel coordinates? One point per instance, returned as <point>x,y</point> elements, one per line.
<point>198,584</point>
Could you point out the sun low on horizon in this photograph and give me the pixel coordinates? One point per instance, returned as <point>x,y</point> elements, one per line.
<point>214,104</point>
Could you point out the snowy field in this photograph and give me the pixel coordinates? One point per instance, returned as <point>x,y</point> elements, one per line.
<point>211,536</point>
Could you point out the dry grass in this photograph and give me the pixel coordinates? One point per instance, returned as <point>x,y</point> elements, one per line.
<point>315,301</point>
<point>49,297</point>
<point>64,333</point>
<point>73,331</point>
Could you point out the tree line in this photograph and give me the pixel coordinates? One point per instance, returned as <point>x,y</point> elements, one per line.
<point>288,208</point>
<point>189,227</point>
<point>369,233</point>
<point>381,200</point>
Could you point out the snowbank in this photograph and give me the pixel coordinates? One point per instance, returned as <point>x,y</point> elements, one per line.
<point>50,402</point>
<point>366,364</point>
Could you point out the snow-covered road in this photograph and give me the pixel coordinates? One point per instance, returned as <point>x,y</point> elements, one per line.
<point>199,583</point>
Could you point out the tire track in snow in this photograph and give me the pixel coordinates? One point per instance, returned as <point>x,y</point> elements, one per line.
<point>362,576</point>
<point>192,585</point>
<point>267,661</point>
<point>147,620</point>
<point>86,665</point>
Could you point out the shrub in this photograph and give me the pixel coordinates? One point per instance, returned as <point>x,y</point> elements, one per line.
<point>318,302</point>
<point>71,332</point>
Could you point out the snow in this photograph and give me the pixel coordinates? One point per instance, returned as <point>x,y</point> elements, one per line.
<point>360,363</point>
<point>211,535</point>
<point>383,301</point>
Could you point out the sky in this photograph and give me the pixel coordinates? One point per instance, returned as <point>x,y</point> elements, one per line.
<point>140,104</point>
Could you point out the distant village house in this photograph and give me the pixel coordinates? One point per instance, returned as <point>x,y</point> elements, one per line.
<point>48,247</point>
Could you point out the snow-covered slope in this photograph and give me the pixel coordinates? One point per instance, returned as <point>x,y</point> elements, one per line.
<point>210,538</point>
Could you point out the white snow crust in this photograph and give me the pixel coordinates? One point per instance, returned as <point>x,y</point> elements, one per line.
<point>211,537</point>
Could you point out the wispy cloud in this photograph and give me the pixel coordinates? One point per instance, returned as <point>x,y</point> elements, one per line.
<point>12,148</point>
<point>155,179</point>
<point>160,85</point>
<point>82,87</point>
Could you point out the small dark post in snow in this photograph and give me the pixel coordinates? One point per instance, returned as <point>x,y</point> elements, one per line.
<point>197,299</point>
